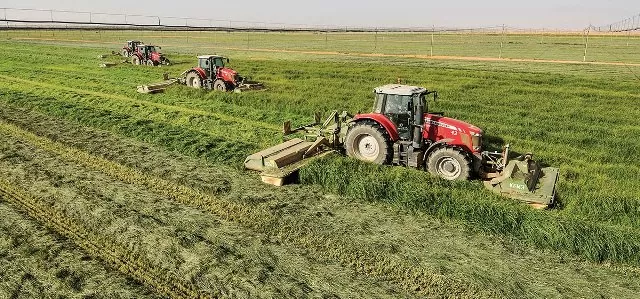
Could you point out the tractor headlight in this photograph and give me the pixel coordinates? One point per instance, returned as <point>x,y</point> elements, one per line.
<point>476,141</point>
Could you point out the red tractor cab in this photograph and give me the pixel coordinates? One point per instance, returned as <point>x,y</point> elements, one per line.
<point>131,46</point>
<point>400,131</point>
<point>148,55</point>
<point>211,73</point>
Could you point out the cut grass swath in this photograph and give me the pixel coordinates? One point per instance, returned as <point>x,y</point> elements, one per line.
<point>362,259</point>
<point>96,246</point>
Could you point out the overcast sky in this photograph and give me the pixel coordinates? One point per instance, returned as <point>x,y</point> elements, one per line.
<point>566,14</point>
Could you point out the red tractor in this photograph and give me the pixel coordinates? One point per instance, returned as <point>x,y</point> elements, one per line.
<point>400,131</point>
<point>211,73</point>
<point>130,47</point>
<point>148,55</point>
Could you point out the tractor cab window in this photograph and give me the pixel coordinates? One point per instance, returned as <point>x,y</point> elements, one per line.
<point>218,62</point>
<point>204,63</point>
<point>151,49</point>
<point>398,109</point>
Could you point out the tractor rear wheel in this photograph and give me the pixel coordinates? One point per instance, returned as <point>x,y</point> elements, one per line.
<point>368,141</point>
<point>135,60</point>
<point>219,85</point>
<point>193,80</point>
<point>449,164</point>
<point>150,62</point>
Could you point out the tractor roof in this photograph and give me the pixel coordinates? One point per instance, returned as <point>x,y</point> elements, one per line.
<point>134,41</point>
<point>399,89</point>
<point>208,56</point>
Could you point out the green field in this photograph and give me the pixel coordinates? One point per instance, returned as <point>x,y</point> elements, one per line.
<point>107,193</point>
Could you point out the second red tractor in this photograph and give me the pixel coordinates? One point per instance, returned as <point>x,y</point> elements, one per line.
<point>148,55</point>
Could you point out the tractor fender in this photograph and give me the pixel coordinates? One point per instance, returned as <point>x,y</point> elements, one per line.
<point>475,158</point>
<point>435,145</point>
<point>200,71</point>
<point>387,124</point>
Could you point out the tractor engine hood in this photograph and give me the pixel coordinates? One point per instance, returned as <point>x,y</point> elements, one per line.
<point>227,74</point>
<point>451,123</point>
<point>437,127</point>
<point>155,56</point>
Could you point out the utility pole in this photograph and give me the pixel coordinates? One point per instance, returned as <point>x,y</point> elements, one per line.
<point>629,29</point>
<point>586,44</point>
<point>375,45</point>
<point>326,37</point>
<point>433,29</point>
<point>502,41</point>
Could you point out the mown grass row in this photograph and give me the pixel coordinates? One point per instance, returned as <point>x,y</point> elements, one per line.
<point>97,246</point>
<point>361,259</point>
<point>479,209</point>
<point>197,247</point>
<point>36,262</point>
<point>215,146</point>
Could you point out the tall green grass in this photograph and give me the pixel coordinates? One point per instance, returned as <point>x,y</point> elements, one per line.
<point>479,209</point>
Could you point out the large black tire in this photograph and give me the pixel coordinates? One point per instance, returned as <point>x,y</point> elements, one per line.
<point>370,142</point>
<point>125,53</point>
<point>449,164</point>
<point>135,60</point>
<point>150,63</point>
<point>193,80</point>
<point>219,85</point>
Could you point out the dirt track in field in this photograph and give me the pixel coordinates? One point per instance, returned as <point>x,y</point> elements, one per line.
<point>356,54</point>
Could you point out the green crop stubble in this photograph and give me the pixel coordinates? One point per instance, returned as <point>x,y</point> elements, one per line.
<point>194,246</point>
<point>94,245</point>
<point>362,260</point>
<point>36,262</point>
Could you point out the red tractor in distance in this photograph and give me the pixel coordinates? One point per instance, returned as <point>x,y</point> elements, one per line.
<point>148,55</point>
<point>130,47</point>
<point>211,73</point>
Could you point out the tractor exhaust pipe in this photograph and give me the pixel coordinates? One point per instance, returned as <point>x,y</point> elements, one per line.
<point>418,121</point>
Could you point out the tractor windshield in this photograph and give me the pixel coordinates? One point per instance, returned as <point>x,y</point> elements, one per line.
<point>218,61</point>
<point>398,109</point>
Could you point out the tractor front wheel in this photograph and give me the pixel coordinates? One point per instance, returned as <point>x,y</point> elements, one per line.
<point>368,141</point>
<point>193,80</point>
<point>135,60</point>
<point>449,164</point>
<point>150,62</point>
<point>219,85</point>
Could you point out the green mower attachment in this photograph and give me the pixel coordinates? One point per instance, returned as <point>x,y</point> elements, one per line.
<point>523,179</point>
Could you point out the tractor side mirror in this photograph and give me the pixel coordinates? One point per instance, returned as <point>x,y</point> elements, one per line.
<point>227,60</point>
<point>435,95</point>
